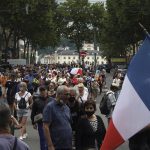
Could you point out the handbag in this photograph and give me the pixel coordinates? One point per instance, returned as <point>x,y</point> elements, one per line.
<point>38,118</point>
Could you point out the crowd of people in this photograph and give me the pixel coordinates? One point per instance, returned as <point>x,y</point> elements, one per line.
<point>62,105</point>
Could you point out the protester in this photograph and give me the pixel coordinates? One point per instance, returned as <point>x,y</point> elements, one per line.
<point>94,89</point>
<point>36,115</point>
<point>100,82</point>
<point>91,129</point>
<point>8,141</point>
<point>10,91</point>
<point>111,101</point>
<point>52,90</point>
<point>29,80</point>
<point>83,93</point>
<point>75,109</point>
<point>23,104</point>
<point>3,80</point>
<point>57,121</point>
<point>116,81</point>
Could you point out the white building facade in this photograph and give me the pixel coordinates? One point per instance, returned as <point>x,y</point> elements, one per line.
<point>70,56</point>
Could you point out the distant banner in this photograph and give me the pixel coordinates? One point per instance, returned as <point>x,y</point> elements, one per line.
<point>118,60</point>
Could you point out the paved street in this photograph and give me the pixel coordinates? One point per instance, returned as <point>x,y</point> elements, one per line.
<point>33,139</point>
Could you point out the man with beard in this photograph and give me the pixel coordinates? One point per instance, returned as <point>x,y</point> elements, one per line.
<point>57,119</point>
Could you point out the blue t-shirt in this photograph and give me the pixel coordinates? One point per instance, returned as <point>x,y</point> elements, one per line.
<point>59,118</point>
<point>29,78</point>
<point>7,143</point>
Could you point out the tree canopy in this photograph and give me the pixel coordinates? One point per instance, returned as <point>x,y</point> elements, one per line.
<point>121,25</point>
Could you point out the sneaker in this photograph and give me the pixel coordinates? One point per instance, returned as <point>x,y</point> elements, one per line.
<point>21,138</point>
<point>25,136</point>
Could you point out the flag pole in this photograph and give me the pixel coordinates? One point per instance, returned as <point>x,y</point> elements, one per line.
<point>144,29</point>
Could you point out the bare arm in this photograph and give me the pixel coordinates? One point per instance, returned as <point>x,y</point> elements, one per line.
<point>30,102</point>
<point>48,136</point>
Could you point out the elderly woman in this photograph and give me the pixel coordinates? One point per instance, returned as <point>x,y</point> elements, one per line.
<point>90,130</point>
<point>23,104</point>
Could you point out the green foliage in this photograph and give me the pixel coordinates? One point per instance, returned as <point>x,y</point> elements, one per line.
<point>121,25</point>
<point>74,19</point>
<point>37,26</point>
<point>81,21</point>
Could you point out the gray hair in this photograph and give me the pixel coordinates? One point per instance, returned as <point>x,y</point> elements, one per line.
<point>60,90</point>
<point>5,115</point>
<point>74,89</point>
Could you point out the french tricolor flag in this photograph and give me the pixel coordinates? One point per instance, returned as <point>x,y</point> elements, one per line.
<point>132,111</point>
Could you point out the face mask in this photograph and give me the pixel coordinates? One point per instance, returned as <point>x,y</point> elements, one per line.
<point>72,99</point>
<point>89,113</point>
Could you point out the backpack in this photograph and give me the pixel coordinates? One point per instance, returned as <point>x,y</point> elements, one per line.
<point>22,103</point>
<point>105,104</point>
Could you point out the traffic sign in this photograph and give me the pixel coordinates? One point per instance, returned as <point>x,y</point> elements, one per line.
<point>83,53</point>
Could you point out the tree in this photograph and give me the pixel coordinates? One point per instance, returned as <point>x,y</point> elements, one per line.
<point>74,19</point>
<point>97,14</point>
<point>36,27</point>
<point>121,27</point>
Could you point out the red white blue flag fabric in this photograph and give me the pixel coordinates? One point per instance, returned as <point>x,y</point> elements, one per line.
<point>132,111</point>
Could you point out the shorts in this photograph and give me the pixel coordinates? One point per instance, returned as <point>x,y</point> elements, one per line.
<point>22,113</point>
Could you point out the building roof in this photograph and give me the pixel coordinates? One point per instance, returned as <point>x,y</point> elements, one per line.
<point>74,52</point>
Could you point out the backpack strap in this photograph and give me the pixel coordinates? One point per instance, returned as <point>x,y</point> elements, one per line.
<point>15,144</point>
<point>81,99</point>
<point>21,96</point>
<point>26,94</point>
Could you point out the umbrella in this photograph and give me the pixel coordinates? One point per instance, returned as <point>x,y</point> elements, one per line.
<point>75,71</point>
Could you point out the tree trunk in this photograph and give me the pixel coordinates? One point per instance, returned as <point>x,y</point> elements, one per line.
<point>78,50</point>
<point>25,48</point>
<point>18,49</point>
<point>6,40</point>
<point>28,52</point>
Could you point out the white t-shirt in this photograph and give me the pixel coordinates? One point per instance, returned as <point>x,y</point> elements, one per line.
<point>27,95</point>
<point>83,99</point>
<point>116,82</point>
<point>61,80</point>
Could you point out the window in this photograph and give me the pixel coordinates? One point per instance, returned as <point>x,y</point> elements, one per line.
<point>64,57</point>
<point>58,57</point>
<point>74,58</point>
<point>88,58</point>
<point>68,57</point>
<point>97,57</point>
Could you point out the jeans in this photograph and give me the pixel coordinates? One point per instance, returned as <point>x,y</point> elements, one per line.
<point>43,144</point>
